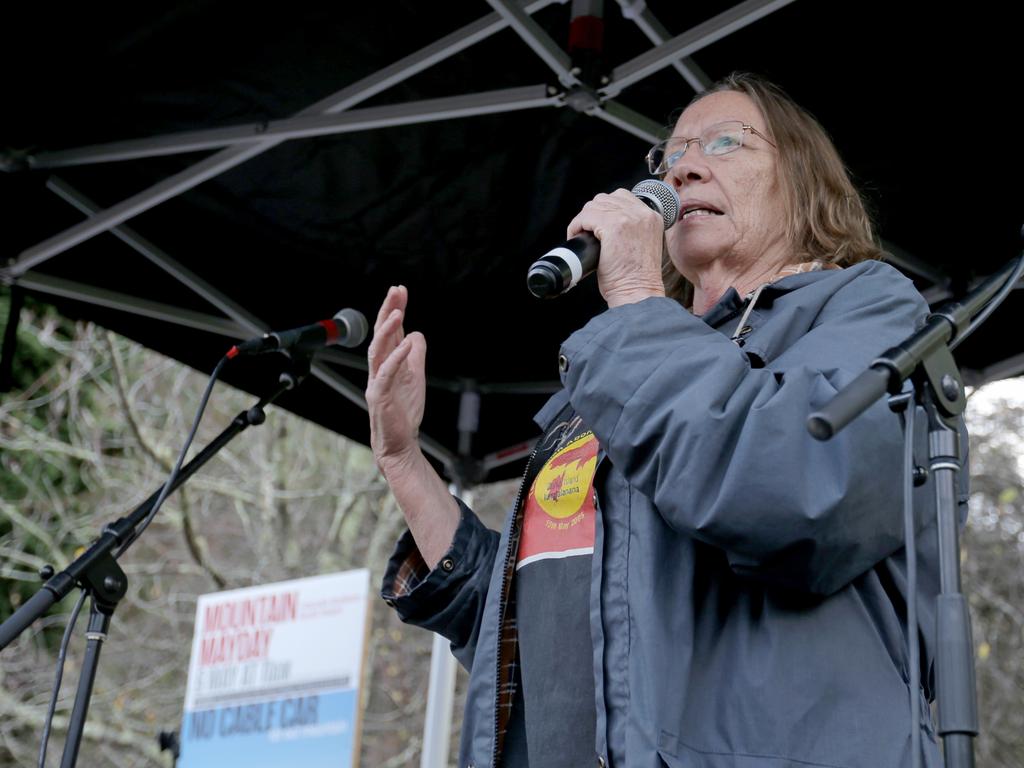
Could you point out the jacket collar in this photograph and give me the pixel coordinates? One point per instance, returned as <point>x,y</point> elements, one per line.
<point>787,279</point>
<point>727,306</point>
<point>555,403</point>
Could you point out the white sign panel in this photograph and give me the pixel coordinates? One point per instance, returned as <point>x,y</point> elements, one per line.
<point>274,675</point>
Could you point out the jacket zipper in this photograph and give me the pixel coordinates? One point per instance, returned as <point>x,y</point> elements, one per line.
<point>751,300</point>
<point>504,603</point>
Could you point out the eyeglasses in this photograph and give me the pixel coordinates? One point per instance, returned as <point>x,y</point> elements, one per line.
<point>719,139</point>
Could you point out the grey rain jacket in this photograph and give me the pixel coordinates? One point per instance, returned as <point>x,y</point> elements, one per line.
<point>748,598</point>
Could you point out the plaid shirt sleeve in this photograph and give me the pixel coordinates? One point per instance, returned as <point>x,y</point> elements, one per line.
<point>410,574</point>
<point>449,598</point>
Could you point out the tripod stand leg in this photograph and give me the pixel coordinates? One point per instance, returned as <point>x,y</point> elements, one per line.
<point>99,623</point>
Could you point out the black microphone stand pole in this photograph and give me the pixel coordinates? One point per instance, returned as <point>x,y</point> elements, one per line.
<point>96,570</point>
<point>926,359</point>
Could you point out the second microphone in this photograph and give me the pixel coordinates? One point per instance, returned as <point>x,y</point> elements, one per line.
<point>563,267</point>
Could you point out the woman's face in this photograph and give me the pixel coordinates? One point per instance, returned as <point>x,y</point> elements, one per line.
<point>741,189</point>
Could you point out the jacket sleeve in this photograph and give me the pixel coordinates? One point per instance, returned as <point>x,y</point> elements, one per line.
<point>721,447</point>
<point>449,599</point>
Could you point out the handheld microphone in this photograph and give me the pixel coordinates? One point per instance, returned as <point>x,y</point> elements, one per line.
<point>563,267</point>
<point>347,328</point>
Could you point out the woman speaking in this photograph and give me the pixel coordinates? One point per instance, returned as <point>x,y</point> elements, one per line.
<point>688,578</point>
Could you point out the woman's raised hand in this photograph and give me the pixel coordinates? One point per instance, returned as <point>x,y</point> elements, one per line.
<point>396,387</point>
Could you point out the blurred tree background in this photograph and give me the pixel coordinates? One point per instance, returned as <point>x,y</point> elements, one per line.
<point>992,562</point>
<point>92,427</point>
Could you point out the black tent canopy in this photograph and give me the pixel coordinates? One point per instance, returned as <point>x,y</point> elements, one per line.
<point>192,174</point>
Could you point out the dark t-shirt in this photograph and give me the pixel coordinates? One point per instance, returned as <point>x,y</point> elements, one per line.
<point>552,583</point>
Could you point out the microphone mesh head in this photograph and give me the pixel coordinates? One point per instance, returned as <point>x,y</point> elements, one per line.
<point>661,197</point>
<point>355,326</point>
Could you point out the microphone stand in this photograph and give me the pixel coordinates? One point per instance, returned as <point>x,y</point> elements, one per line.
<point>926,359</point>
<point>97,573</point>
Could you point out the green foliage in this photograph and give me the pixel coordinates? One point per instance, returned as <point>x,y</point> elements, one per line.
<point>37,371</point>
<point>32,359</point>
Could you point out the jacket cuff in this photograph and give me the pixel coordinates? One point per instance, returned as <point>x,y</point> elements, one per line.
<point>417,592</point>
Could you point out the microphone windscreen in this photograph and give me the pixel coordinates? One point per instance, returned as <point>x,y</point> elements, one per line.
<point>355,326</point>
<point>661,197</point>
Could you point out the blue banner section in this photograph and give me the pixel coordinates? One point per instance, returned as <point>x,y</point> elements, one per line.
<point>314,731</point>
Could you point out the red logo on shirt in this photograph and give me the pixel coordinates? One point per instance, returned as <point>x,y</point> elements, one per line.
<point>559,515</point>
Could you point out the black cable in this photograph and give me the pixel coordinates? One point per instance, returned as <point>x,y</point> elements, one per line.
<point>61,657</point>
<point>994,302</point>
<point>62,654</point>
<point>913,647</point>
<point>177,464</point>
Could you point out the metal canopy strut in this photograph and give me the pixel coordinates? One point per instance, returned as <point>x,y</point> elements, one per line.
<point>212,166</point>
<point>304,127</point>
<point>241,322</point>
<point>316,120</point>
<point>322,118</point>
<point>655,31</point>
<point>689,42</point>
